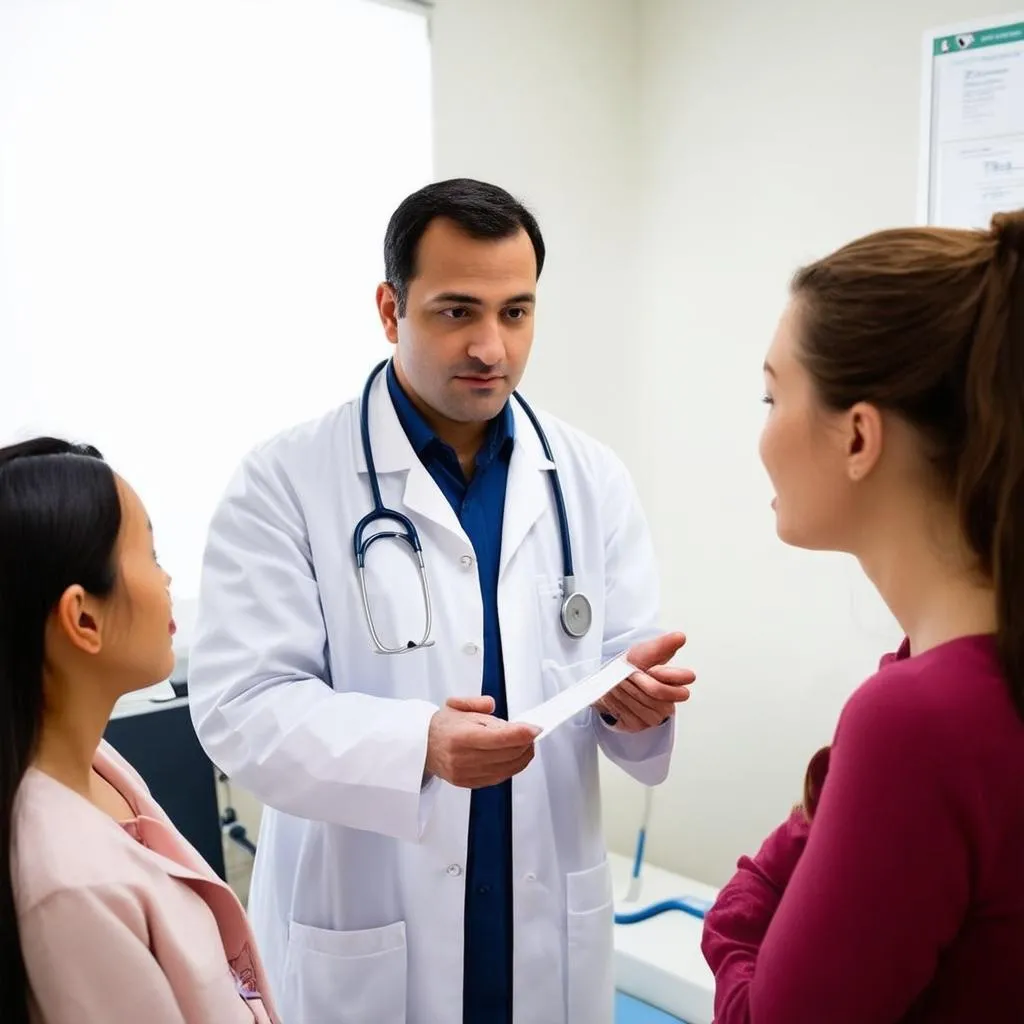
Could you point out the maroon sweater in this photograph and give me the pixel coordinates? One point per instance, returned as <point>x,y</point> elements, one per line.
<point>903,901</point>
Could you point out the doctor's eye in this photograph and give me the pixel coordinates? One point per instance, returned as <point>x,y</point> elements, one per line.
<point>456,312</point>
<point>516,312</point>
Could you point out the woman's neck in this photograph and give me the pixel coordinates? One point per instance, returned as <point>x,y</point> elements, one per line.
<point>73,726</point>
<point>936,594</point>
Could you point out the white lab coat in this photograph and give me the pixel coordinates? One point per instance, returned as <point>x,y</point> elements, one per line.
<point>358,891</point>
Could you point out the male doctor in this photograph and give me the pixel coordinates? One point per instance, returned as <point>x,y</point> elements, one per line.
<point>421,859</point>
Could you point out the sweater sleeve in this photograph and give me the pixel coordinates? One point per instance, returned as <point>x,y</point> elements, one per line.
<point>879,889</point>
<point>735,926</point>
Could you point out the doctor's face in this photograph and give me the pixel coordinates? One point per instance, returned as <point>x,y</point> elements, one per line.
<point>804,450</point>
<point>463,343</point>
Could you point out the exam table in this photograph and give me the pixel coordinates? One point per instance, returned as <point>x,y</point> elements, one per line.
<point>660,973</point>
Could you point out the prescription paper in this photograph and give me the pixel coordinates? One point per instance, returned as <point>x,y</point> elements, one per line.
<point>560,708</point>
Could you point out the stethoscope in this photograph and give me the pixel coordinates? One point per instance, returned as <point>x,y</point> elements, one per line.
<point>575,614</point>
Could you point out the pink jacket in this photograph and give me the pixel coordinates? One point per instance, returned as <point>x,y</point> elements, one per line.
<point>121,924</point>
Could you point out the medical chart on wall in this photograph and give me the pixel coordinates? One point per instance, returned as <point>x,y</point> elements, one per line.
<point>973,123</point>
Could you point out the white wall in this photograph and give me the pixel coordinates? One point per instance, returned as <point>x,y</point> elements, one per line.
<point>770,134</point>
<point>540,96</point>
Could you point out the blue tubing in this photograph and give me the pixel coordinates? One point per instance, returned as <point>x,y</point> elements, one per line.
<point>691,905</point>
<point>638,859</point>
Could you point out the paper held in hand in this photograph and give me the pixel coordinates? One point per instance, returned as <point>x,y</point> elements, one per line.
<point>560,708</point>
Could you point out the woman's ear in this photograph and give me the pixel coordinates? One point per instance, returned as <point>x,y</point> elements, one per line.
<point>79,619</point>
<point>864,440</point>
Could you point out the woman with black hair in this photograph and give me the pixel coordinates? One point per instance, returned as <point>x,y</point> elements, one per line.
<point>106,913</point>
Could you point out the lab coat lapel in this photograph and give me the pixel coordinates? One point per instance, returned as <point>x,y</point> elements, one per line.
<point>392,453</point>
<point>528,492</point>
<point>423,496</point>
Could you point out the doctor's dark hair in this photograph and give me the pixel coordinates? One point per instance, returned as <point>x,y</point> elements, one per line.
<point>928,324</point>
<point>481,210</point>
<point>60,516</point>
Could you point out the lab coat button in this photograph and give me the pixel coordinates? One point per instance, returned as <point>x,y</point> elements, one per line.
<point>471,648</point>
<point>530,876</point>
<point>454,870</point>
<point>466,561</point>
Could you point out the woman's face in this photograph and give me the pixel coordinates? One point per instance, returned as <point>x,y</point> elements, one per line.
<point>121,642</point>
<point>805,450</point>
<point>140,650</point>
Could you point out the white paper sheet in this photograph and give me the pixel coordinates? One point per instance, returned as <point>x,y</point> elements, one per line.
<point>560,708</point>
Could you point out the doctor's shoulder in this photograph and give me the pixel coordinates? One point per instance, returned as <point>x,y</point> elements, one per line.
<point>591,469</point>
<point>312,446</point>
<point>581,453</point>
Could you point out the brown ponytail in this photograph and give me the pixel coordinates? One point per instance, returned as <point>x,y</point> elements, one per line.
<point>814,779</point>
<point>929,323</point>
<point>990,482</point>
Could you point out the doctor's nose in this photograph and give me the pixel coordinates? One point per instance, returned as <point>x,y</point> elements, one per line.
<point>488,345</point>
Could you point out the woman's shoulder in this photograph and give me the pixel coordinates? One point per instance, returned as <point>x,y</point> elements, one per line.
<point>62,842</point>
<point>954,694</point>
<point>107,759</point>
<point>935,677</point>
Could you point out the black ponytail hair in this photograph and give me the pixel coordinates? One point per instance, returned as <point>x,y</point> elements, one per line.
<point>60,516</point>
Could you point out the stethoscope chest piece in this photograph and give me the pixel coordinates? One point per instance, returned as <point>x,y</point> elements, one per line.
<point>577,614</point>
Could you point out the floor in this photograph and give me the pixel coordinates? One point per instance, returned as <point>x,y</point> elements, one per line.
<point>238,861</point>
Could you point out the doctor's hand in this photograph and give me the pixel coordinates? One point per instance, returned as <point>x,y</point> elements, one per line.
<point>649,697</point>
<point>470,748</point>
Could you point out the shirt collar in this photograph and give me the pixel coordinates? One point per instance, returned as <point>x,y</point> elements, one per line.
<point>500,431</point>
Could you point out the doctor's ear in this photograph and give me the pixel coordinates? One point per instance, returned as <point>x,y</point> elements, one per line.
<point>387,307</point>
<point>864,436</point>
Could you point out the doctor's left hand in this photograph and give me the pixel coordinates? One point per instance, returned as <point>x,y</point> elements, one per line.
<point>649,697</point>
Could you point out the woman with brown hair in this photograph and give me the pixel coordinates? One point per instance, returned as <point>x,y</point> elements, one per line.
<point>896,434</point>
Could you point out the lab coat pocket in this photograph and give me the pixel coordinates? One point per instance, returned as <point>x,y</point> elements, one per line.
<point>355,976</point>
<point>590,913</point>
<point>559,677</point>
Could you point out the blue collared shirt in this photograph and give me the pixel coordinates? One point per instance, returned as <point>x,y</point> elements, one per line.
<point>480,505</point>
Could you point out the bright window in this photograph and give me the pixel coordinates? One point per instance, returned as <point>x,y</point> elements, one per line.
<point>193,198</point>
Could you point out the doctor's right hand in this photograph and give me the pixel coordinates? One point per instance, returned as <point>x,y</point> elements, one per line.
<point>470,748</point>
